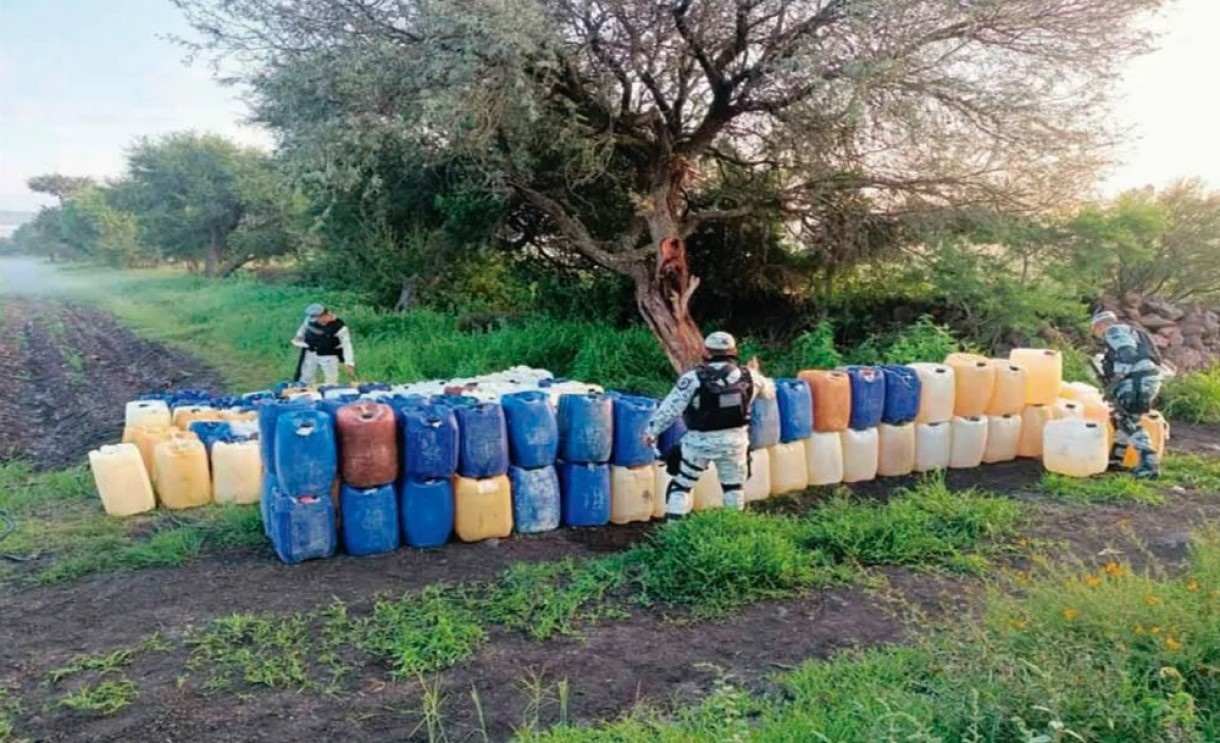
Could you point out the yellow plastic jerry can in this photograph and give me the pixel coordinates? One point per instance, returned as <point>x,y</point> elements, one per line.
<point>122,480</point>
<point>483,509</point>
<point>182,476</point>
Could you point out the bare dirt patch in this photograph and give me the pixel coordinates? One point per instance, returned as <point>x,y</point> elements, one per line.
<point>69,370</point>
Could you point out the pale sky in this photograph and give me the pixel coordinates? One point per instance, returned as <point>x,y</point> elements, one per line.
<point>81,79</point>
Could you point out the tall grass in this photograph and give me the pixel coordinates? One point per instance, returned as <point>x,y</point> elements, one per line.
<point>1193,397</point>
<point>243,328</point>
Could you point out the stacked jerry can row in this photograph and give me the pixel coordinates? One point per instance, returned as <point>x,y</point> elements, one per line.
<point>533,445</point>
<point>483,500</point>
<point>831,393</point>
<point>369,464</point>
<point>428,437</point>
<point>298,504</point>
<point>788,458</point>
<point>633,483</point>
<point>189,456</point>
<point>419,469</point>
<point>586,445</point>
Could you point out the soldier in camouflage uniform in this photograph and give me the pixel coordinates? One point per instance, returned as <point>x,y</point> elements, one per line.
<point>1131,374</point>
<point>714,400</point>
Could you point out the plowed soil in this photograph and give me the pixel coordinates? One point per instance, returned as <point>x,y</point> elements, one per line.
<point>68,371</point>
<point>76,367</point>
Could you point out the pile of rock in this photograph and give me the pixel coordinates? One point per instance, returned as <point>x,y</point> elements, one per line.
<point>1187,334</point>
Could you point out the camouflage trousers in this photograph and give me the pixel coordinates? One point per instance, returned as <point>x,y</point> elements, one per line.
<point>1132,399</point>
<point>728,450</point>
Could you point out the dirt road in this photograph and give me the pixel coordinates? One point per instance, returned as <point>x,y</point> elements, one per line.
<point>68,370</point>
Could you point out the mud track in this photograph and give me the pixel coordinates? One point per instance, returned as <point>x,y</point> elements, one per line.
<point>68,371</point>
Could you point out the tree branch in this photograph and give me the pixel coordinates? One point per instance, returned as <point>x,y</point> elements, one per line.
<point>570,227</point>
<point>697,219</point>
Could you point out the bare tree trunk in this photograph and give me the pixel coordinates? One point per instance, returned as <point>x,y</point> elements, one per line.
<point>663,287</point>
<point>663,295</point>
<point>230,269</point>
<point>212,257</point>
<point>669,319</point>
<point>406,296</point>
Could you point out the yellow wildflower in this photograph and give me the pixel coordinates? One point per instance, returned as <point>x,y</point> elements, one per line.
<point>1151,600</point>
<point>1138,629</point>
<point>1023,576</point>
<point>1155,630</point>
<point>1092,581</point>
<point>1172,644</point>
<point>1018,623</point>
<point>1192,586</point>
<point>1114,570</point>
<point>1070,613</point>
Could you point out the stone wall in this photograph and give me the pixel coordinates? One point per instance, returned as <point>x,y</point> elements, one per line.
<point>1188,335</point>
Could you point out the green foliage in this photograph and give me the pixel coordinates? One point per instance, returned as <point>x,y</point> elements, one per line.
<point>1145,643</point>
<point>1076,367</point>
<point>112,661</point>
<point>1194,472</point>
<point>103,698</point>
<point>988,299</point>
<point>813,349</point>
<point>715,561</point>
<point>549,598</point>
<point>62,187</point>
<point>256,650</point>
<point>423,632</point>
<point>1193,397</point>
<point>59,523</point>
<point>201,198</point>
<point>927,524</point>
<point>91,226</point>
<point>1116,487</point>
<point>8,708</point>
<point>1145,241</point>
<point>923,341</point>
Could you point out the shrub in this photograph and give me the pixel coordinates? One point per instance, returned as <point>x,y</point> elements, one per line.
<point>718,560</point>
<point>1193,397</point>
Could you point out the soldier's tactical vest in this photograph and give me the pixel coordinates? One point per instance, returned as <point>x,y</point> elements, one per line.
<point>323,340</point>
<point>719,404</point>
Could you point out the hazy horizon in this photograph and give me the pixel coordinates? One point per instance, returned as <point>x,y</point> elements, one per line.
<point>80,80</point>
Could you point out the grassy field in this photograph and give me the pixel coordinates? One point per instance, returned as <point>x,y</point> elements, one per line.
<point>1095,654</point>
<point>1093,650</point>
<point>243,328</point>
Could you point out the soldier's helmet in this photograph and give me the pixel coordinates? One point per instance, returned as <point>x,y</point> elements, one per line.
<point>720,343</point>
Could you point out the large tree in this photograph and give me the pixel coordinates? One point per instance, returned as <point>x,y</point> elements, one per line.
<point>195,196</point>
<point>1149,242</point>
<point>600,122</point>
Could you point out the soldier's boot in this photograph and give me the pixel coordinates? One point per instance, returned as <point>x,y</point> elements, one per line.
<point>1117,454</point>
<point>1148,468</point>
<point>676,502</point>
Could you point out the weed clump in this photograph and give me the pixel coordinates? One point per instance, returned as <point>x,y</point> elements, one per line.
<point>422,632</point>
<point>715,561</point>
<point>926,524</point>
